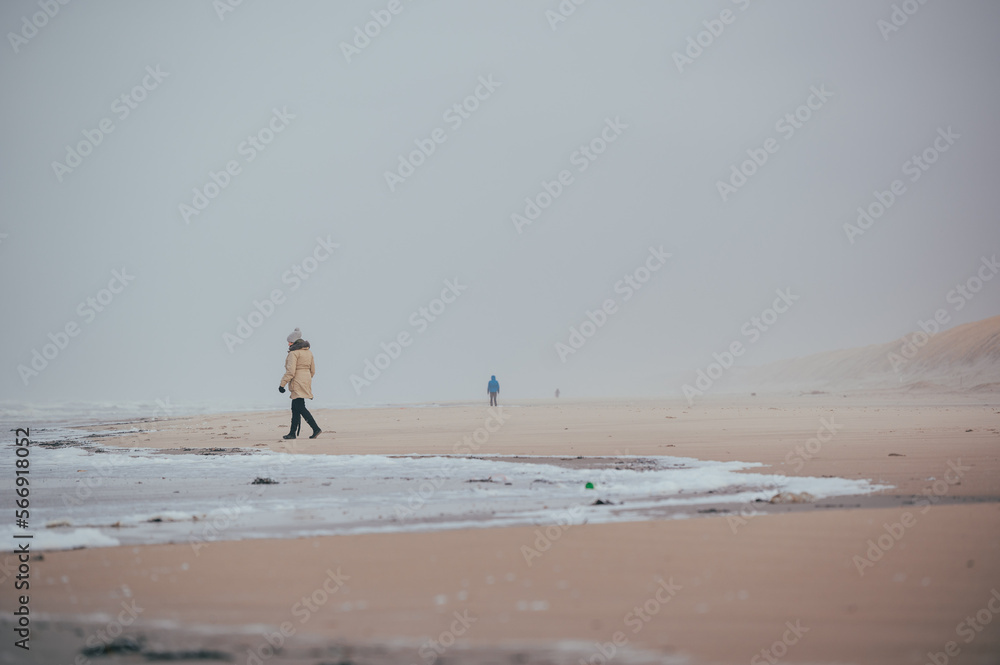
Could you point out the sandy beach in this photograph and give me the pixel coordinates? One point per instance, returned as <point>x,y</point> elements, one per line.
<point>629,333</point>
<point>887,577</point>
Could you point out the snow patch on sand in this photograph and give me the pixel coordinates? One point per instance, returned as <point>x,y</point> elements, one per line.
<point>142,497</point>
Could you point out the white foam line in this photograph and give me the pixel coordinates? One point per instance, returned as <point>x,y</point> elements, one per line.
<point>345,494</point>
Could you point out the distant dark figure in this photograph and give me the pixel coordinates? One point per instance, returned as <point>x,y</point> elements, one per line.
<point>299,371</point>
<point>557,393</point>
<point>493,388</point>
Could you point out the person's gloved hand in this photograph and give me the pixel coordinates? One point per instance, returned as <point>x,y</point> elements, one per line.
<point>281,389</point>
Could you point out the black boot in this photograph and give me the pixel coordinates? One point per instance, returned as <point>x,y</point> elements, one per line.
<point>312,423</point>
<point>296,426</point>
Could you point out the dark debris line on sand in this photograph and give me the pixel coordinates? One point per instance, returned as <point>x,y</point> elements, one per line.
<point>200,654</point>
<point>120,645</point>
<point>126,645</point>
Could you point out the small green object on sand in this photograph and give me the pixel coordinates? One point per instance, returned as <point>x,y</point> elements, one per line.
<point>589,486</point>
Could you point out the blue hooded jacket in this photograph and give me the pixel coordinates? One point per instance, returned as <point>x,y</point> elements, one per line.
<point>494,385</point>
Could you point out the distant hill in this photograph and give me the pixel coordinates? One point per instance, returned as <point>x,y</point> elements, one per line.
<point>965,358</point>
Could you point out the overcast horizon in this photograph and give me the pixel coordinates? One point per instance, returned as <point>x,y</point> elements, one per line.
<point>471,188</point>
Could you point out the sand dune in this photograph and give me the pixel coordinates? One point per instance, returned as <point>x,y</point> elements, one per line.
<point>965,358</point>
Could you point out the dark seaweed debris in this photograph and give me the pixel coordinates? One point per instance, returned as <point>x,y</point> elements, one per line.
<point>263,481</point>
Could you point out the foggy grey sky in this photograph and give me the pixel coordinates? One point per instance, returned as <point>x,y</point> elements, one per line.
<point>323,175</point>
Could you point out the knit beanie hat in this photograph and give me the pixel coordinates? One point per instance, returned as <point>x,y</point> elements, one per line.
<point>296,335</point>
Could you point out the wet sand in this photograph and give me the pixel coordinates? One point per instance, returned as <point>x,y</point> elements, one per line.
<point>716,588</point>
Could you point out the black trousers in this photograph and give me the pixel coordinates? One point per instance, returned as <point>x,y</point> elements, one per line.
<point>300,411</point>
<point>493,399</point>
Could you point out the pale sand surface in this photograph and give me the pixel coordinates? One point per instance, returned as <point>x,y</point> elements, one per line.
<point>737,589</point>
<point>929,431</point>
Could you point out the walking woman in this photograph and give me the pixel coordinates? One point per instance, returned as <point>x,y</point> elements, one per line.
<point>299,371</point>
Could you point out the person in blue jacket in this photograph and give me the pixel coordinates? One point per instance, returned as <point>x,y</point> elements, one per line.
<point>493,388</point>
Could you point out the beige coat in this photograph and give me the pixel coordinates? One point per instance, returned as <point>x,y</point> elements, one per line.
<point>299,371</point>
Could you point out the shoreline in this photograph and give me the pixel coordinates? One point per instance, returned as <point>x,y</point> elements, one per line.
<point>879,578</point>
<point>772,433</point>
